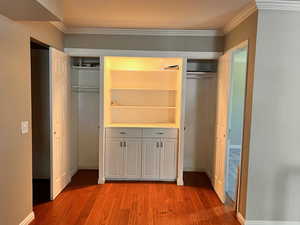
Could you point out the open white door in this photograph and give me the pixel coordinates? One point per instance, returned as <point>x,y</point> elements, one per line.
<point>221,126</point>
<point>60,100</point>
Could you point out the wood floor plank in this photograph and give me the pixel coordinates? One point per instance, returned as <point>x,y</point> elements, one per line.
<point>84,202</point>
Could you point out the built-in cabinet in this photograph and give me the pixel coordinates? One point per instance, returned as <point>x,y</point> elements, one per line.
<point>141,154</point>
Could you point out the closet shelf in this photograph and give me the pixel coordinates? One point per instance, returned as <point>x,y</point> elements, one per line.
<point>142,107</point>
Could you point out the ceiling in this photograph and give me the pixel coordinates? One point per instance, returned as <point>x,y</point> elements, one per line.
<point>155,14</point>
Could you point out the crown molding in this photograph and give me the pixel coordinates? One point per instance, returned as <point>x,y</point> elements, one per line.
<point>285,5</point>
<point>144,32</point>
<point>240,17</point>
<point>140,32</point>
<point>59,25</point>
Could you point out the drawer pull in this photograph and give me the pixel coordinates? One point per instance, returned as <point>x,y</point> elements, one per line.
<point>160,133</point>
<point>122,132</point>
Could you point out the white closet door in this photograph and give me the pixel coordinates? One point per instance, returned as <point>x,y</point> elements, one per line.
<point>60,97</point>
<point>150,158</point>
<point>132,158</point>
<point>168,159</point>
<point>221,126</point>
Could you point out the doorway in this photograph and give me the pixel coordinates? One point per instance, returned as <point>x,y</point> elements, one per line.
<point>238,74</point>
<point>40,108</point>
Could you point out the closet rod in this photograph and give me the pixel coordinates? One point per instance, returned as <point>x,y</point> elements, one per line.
<point>84,87</point>
<point>201,77</point>
<point>86,91</point>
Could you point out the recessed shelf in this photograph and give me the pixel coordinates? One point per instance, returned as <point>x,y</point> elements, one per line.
<point>140,93</point>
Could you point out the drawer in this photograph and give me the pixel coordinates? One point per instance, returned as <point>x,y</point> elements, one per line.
<point>123,132</point>
<point>159,132</point>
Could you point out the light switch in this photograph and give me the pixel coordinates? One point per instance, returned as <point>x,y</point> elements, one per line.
<point>24,127</point>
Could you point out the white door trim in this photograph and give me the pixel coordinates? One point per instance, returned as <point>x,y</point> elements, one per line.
<point>244,44</point>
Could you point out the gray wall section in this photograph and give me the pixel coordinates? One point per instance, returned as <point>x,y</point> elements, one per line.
<point>15,92</point>
<point>162,43</point>
<point>274,169</point>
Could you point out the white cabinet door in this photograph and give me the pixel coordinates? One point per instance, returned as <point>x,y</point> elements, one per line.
<point>150,158</point>
<point>132,158</point>
<point>114,158</point>
<point>168,162</point>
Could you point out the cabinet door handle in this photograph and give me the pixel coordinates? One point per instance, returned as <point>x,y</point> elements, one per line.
<point>122,132</point>
<point>125,144</point>
<point>161,144</point>
<point>121,144</point>
<point>157,144</point>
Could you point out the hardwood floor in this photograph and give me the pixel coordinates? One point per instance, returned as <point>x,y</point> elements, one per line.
<point>84,202</point>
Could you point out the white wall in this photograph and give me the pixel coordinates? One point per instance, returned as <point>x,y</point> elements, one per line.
<point>274,166</point>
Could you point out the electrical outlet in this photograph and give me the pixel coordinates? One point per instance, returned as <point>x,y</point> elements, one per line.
<point>24,127</point>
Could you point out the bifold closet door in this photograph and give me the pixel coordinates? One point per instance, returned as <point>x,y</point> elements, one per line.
<point>60,115</point>
<point>223,85</point>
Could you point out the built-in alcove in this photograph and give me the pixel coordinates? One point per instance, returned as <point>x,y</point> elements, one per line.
<point>142,91</point>
<point>85,74</point>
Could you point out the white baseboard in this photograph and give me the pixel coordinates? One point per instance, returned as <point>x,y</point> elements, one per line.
<point>101,181</point>
<point>73,172</point>
<point>240,218</point>
<point>266,222</point>
<point>28,219</point>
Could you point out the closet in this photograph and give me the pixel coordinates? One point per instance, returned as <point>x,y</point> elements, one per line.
<point>142,106</point>
<point>200,108</point>
<point>85,74</point>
